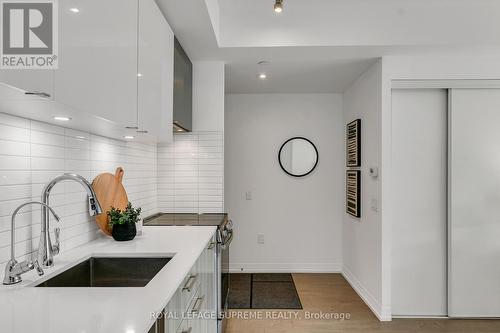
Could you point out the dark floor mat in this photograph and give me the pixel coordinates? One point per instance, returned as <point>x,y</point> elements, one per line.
<point>240,291</point>
<point>263,291</point>
<point>275,295</point>
<point>278,277</point>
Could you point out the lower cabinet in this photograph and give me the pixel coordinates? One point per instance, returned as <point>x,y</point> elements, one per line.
<point>193,308</point>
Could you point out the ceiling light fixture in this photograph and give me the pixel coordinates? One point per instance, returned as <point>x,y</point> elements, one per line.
<point>61,118</point>
<point>128,137</point>
<point>278,6</point>
<point>262,76</point>
<point>75,10</point>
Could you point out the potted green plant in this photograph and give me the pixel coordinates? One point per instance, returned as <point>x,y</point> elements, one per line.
<point>123,222</point>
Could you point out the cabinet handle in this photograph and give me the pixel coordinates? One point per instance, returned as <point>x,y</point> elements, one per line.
<point>190,283</point>
<point>38,93</point>
<point>188,330</point>
<point>197,305</point>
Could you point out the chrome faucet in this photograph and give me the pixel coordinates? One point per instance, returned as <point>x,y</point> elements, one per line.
<point>47,251</point>
<point>13,269</point>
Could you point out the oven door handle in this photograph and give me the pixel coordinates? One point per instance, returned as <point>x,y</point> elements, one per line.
<point>228,240</point>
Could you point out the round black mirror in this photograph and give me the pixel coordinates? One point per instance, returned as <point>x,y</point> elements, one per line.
<point>298,157</point>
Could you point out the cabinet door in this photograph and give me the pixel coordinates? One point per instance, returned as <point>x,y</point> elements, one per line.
<point>211,285</point>
<point>98,58</point>
<point>155,75</point>
<point>27,80</point>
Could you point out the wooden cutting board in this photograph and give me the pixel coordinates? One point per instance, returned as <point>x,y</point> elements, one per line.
<point>110,193</point>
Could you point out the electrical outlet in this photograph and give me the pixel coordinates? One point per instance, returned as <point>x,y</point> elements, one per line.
<point>260,238</point>
<point>248,195</point>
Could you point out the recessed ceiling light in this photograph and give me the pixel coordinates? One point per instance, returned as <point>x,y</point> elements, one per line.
<point>262,76</point>
<point>74,10</point>
<point>128,137</point>
<point>61,118</point>
<point>278,6</point>
<point>80,137</point>
<point>139,75</point>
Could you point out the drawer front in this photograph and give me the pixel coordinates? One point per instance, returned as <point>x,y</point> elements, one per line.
<point>197,306</point>
<point>183,328</point>
<point>173,312</point>
<point>189,288</point>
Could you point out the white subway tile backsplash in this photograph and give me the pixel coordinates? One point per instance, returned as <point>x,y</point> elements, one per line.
<point>33,153</point>
<point>14,148</point>
<point>191,173</point>
<point>18,134</point>
<point>14,162</point>
<point>47,138</point>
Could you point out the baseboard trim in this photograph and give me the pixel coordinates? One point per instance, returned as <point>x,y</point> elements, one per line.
<point>284,268</point>
<point>382,313</point>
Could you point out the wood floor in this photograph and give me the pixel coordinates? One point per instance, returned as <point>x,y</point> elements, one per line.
<point>330,293</point>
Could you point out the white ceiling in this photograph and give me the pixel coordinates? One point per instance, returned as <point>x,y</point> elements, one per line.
<point>325,49</point>
<point>295,76</point>
<point>245,23</point>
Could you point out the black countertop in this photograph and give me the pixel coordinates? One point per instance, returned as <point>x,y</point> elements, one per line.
<point>215,219</point>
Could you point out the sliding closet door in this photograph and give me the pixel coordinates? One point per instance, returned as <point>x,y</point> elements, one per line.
<point>419,157</point>
<point>474,234</point>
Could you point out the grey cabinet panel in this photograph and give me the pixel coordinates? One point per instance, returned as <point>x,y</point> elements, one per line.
<point>183,88</point>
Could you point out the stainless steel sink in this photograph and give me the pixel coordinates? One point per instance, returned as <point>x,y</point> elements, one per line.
<point>109,272</point>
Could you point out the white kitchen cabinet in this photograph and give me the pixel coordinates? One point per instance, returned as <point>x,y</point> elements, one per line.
<point>156,72</point>
<point>28,80</point>
<point>113,73</point>
<point>196,295</point>
<point>98,58</point>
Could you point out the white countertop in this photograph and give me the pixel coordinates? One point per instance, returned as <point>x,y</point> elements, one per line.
<point>26,309</point>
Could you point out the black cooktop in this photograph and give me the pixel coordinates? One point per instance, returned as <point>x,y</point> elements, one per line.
<point>214,219</point>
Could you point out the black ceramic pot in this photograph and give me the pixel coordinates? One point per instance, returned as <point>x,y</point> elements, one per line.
<point>124,232</point>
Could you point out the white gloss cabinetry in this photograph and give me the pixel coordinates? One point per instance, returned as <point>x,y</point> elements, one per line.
<point>193,308</point>
<point>115,71</point>
<point>98,58</point>
<point>155,72</point>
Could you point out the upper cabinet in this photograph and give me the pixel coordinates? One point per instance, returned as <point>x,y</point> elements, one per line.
<point>183,89</point>
<point>97,70</point>
<point>31,81</point>
<point>156,72</point>
<point>115,74</point>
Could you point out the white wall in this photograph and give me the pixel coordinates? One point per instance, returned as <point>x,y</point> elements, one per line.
<point>362,238</point>
<point>208,96</point>
<point>301,218</point>
<point>33,153</point>
<point>191,169</point>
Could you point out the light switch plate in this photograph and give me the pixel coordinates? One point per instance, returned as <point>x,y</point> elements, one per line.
<point>248,195</point>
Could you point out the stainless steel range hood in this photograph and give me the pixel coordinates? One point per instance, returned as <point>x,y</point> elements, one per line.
<point>183,90</point>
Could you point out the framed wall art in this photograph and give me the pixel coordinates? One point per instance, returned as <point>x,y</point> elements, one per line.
<point>353,144</point>
<point>353,192</point>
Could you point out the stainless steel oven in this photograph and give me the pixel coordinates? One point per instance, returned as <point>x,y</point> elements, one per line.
<point>224,239</point>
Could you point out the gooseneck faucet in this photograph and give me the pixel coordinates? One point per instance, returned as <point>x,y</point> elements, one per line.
<point>14,269</point>
<point>47,251</point>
